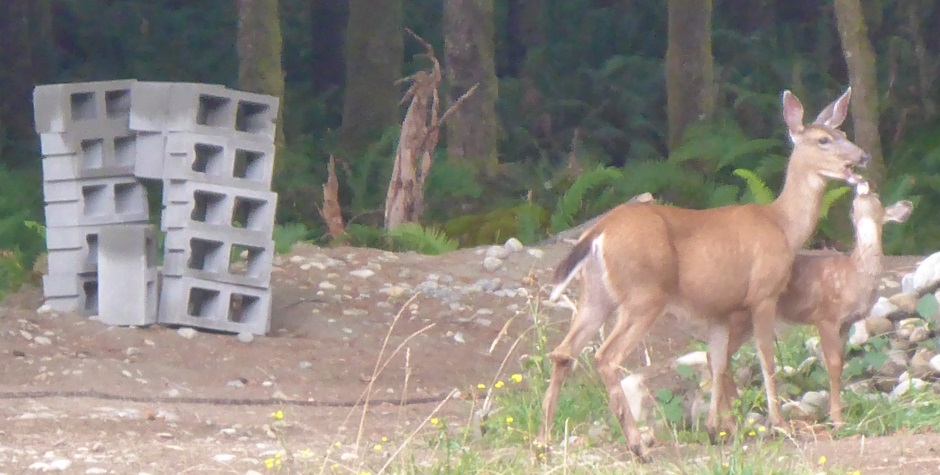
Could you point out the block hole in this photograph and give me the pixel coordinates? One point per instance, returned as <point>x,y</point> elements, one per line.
<point>82,105</point>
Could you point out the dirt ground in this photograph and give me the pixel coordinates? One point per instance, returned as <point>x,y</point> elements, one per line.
<point>78,396</point>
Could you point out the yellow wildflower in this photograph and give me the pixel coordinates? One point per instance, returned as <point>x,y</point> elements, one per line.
<point>516,378</point>
<point>498,384</point>
<point>822,459</point>
<point>481,386</point>
<point>278,415</point>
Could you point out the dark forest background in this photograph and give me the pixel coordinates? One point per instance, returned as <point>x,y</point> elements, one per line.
<point>581,104</point>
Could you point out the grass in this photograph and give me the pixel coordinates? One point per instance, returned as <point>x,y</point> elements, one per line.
<point>496,432</point>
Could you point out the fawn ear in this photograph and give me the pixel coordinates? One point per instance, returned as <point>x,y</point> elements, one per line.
<point>792,113</point>
<point>834,114</point>
<point>899,212</point>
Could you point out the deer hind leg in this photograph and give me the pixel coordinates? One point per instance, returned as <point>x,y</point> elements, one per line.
<point>739,330</point>
<point>833,349</point>
<point>719,352</point>
<point>593,308</point>
<point>763,315</point>
<point>635,319</point>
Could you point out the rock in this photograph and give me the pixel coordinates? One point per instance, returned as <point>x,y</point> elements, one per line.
<point>878,326</point>
<point>305,365</point>
<point>362,273</point>
<point>920,363</point>
<point>223,458</point>
<point>187,333</point>
<point>906,303</point>
<point>498,252</point>
<point>297,259</point>
<point>44,309</point>
<point>907,283</point>
<point>883,309</point>
<point>536,253</point>
<point>513,245</point>
<point>326,285</point>
<point>42,341</point>
<point>818,400</point>
<point>798,410</point>
<point>634,389</point>
<point>859,333</point>
<point>927,275</point>
<point>235,383</point>
<point>919,334</point>
<point>904,386</point>
<point>491,264</point>
<point>695,358</point>
<point>132,351</point>
<point>935,363</point>
<point>245,337</point>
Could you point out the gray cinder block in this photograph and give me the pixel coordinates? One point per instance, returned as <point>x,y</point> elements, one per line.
<point>219,159</point>
<point>72,292</point>
<point>98,157</point>
<point>81,107</point>
<point>233,258</point>
<point>214,305</point>
<point>95,202</point>
<point>202,108</point>
<point>151,155</point>
<point>127,276</point>
<point>206,206</point>
<point>74,249</point>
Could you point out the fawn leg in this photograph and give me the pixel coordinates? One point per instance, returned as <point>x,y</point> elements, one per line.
<point>833,349</point>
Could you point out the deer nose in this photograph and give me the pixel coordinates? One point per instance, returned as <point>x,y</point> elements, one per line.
<point>863,161</point>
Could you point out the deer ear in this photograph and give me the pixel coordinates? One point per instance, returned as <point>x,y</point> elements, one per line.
<point>899,212</point>
<point>792,113</point>
<point>834,114</point>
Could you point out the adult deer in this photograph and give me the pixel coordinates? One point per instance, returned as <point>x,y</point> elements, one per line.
<point>642,260</point>
<point>831,292</point>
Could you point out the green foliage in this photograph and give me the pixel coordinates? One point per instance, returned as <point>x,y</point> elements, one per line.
<point>572,201</point>
<point>829,198</point>
<point>530,223</point>
<point>426,240</point>
<point>927,307</point>
<point>758,191</point>
<point>285,236</point>
<point>721,144</point>
<point>670,405</point>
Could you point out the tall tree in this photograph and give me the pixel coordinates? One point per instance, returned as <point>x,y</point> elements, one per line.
<point>690,71</point>
<point>860,59</point>
<point>374,56</point>
<point>469,57</point>
<point>259,52</point>
<point>17,73</point>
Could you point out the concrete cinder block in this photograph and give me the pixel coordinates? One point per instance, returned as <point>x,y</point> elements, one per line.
<point>240,259</point>
<point>72,292</point>
<point>127,276</point>
<point>107,154</point>
<point>95,202</point>
<point>76,247</point>
<point>82,107</point>
<point>70,261</point>
<point>202,108</point>
<point>151,155</point>
<point>214,305</point>
<point>210,207</point>
<point>219,159</point>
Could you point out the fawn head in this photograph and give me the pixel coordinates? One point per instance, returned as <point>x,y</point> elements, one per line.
<point>822,146</point>
<point>868,214</point>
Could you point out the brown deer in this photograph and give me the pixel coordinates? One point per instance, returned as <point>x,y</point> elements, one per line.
<point>642,260</point>
<point>831,292</point>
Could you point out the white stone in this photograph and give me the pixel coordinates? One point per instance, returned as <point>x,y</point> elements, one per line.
<point>362,273</point>
<point>187,333</point>
<point>907,283</point>
<point>859,333</point>
<point>634,389</point>
<point>491,264</point>
<point>927,274</point>
<point>513,245</point>
<point>882,308</point>
<point>536,253</point>
<point>498,252</point>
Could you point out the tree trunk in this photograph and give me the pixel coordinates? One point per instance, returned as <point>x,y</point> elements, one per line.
<point>17,74</point>
<point>690,72</point>
<point>469,51</point>
<point>860,59</point>
<point>259,53</point>
<point>374,56</point>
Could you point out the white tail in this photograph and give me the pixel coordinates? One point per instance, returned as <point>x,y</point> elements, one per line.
<point>833,291</point>
<point>642,260</point>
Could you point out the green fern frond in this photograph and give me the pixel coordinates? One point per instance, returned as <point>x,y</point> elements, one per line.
<point>426,240</point>
<point>723,195</point>
<point>361,235</point>
<point>570,203</point>
<point>529,227</point>
<point>829,198</point>
<point>758,189</point>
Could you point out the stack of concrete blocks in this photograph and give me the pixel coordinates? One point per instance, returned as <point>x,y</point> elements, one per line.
<point>218,207</point>
<point>89,154</point>
<point>213,150</point>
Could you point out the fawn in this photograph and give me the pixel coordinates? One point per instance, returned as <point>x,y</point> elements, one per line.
<point>831,292</point>
<point>642,260</point>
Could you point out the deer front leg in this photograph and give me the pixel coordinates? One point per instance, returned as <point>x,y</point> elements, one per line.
<point>718,335</point>
<point>763,319</point>
<point>833,350</point>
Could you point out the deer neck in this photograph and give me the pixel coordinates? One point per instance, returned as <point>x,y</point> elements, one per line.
<point>797,207</point>
<point>868,253</point>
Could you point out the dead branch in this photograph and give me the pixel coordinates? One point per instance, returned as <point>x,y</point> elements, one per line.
<point>331,212</point>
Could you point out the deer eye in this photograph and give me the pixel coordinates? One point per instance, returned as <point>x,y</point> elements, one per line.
<point>824,140</point>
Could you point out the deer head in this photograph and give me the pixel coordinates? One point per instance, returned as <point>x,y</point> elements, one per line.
<point>825,148</point>
<point>869,215</point>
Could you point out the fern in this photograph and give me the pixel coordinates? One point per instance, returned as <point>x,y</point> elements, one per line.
<point>414,237</point>
<point>829,198</point>
<point>362,235</point>
<point>570,203</point>
<point>529,223</point>
<point>758,189</point>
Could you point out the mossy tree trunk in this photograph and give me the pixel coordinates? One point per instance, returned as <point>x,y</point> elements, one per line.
<point>17,74</point>
<point>860,59</point>
<point>374,57</point>
<point>259,53</point>
<point>469,59</point>
<point>690,71</point>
